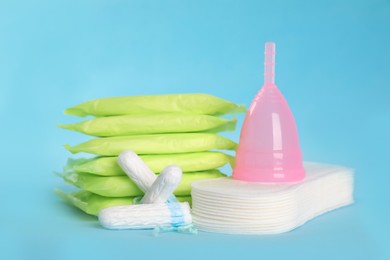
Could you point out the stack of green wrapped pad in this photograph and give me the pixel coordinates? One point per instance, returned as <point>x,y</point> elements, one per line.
<point>176,129</point>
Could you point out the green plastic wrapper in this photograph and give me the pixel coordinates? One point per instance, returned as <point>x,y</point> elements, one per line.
<point>122,186</point>
<point>154,144</point>
<point>151,124</point>
<point>92,203</point>
<point>188,162</point>
<point>201,104</point>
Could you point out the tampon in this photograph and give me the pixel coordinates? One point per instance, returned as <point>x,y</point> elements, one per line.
<point>146,216</point>
<point>163,186</point>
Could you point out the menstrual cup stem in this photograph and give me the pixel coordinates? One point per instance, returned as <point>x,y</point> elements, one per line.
<point>269,63</point>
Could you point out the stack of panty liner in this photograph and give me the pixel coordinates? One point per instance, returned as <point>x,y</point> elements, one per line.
<point>175,129</point>
<point>226,205</point>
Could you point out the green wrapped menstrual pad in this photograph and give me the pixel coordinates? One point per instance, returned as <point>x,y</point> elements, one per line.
<point>151,124</point>
<point>188,162</point>
<point>92,203</point>
<point>122,186</point>
<point>201,104</point>
<point>154,144</point>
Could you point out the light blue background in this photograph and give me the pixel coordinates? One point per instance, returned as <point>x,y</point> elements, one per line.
<point>332,66</point>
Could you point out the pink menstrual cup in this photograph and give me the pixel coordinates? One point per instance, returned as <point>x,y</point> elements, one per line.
<point>269,150</point>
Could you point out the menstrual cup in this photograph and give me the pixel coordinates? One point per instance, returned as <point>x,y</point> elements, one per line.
<point>268,150</point>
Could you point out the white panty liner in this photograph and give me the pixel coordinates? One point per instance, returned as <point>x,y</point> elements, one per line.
<point>225,205</point>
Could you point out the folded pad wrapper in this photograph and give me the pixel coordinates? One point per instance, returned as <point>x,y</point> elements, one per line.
<point>188,162</point>
<point>151,124</point>
<point>122,186</point>
<point>154,144</point>
<point>200,104</point>
<point>92,204</point>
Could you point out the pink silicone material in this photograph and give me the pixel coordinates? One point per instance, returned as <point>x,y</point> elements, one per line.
<point>269,150</point>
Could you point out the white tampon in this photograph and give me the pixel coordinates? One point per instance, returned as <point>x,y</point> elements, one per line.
<point>146,216</point>
<point>164,185</point>
<point>136,169</point>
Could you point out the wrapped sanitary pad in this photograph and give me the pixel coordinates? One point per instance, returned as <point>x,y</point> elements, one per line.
<point>226,205</point>
<point>151,124</point>
<point>92,203</point>
<point>201,104</point>
<point>188,162</point>
<point>122,186</point>
<point>154,144</point>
